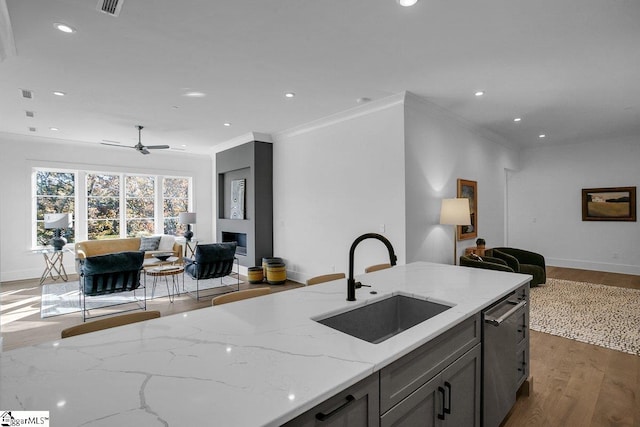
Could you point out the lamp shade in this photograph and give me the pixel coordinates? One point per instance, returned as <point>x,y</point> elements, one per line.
<point>455,212</point>
<point>57,220</point>
<point>187,218</point>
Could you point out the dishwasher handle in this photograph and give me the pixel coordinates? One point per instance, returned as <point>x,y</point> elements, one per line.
<point>496,321</point>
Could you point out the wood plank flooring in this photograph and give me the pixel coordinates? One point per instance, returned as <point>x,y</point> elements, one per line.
<point>574,384</point>
<point>578,384</point>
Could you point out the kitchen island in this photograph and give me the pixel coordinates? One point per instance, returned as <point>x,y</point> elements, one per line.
<point>256,362</point>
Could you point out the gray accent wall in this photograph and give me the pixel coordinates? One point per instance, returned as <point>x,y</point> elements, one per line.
<point>253,162</point>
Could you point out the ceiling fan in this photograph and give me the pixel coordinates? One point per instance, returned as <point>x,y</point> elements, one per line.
<point>139,147</point>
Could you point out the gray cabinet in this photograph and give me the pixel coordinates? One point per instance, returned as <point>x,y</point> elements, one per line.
<point>437,384</point>
<point>402,377</point>
<point>357,406</point>
<point>451,398</point>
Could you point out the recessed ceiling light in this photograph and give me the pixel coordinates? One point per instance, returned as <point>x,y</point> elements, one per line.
<point>195,94</point>
<point>407,3</point>
<point>183,145</point>
<point>59,93</point>
<point>517,119</point>
<point>363,100</point>
<point>479,93</point>
<point>542,135</point>
<point>64,28</point>
<point>53,128</point>
<point>227,124</point>
<point>289,95</point>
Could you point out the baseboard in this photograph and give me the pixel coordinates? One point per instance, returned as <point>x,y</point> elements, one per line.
<point>295,276</point>
<point>595,266</point>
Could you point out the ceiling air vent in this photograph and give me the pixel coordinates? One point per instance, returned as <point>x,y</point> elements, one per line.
<point>110,7</point>
<point>32,129</point>
<point>26,93</point>
<point>29,113</point>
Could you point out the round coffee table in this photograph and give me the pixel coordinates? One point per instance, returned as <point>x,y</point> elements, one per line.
<point>167,271</point>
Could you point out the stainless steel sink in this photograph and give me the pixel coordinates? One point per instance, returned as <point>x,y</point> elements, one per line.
<point>383,319</point>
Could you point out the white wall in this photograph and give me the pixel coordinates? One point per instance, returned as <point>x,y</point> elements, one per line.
<point>440,148</point>
<point>336,179</point>
<point>19,154</point>
<point>545,208</point>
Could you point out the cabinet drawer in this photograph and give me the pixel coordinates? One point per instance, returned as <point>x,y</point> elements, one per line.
<point>356,406</point>
<point>404,376</point>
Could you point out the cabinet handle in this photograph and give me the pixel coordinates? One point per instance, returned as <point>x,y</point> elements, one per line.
<point>497,321</point>
<point>441,415</point>
<point>323,417</point>
<point>447,408</point>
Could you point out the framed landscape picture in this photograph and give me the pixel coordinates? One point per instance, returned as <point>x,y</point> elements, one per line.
<point>469,190</point>
<point>609,204</point>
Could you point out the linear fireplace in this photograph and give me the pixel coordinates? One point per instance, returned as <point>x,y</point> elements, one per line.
<point>239,238</point>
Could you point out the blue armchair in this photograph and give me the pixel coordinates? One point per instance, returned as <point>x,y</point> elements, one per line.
<point>111,273</point>
<point>211,261</point>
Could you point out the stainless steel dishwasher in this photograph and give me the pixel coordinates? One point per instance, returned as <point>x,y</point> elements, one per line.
<point>505,354</point>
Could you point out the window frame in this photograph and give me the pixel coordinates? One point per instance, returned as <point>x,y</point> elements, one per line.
<point>80,214</point>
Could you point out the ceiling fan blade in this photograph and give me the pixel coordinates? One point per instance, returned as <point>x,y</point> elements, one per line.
<point>116,145</point>
<point>144,151</point>
<point>156,147</point>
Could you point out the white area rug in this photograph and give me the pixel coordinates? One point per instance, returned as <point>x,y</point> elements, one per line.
<point>603,315</point>
<point>63,298</point>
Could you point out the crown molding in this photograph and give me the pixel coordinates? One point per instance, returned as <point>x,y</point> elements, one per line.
<point>239,140</point>
<point>343,116</point>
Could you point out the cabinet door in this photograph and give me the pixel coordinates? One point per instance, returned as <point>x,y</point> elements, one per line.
<point>424,407</point>
<point>450,399</point>
<point>357,406</point>
<point>461,382</point>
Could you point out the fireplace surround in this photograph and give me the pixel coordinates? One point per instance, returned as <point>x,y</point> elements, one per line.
<point>253,231</point>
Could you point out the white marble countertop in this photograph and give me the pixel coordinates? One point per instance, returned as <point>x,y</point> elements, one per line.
<point>256,362</point>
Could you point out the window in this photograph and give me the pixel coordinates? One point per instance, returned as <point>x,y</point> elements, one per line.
<point>54,193</point>
<point>103,206</point>
<point>107,205</point>
<point>140,200</point>
<point>175,197</point>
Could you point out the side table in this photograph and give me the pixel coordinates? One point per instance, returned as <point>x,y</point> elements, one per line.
<point>53,268</point>
<point>167,271</point>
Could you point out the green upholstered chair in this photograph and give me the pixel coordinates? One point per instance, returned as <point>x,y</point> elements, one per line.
<point>511,260</point>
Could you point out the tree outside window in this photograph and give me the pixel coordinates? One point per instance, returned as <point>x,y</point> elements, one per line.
<point>103,206</point>
<point>175,200</point>
<point>140,199</point>
<point>55,193</point>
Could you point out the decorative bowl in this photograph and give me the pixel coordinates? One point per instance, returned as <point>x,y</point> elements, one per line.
<point>163,256</point>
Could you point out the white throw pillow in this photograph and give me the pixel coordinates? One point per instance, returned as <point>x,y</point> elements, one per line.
<point>166,242</point>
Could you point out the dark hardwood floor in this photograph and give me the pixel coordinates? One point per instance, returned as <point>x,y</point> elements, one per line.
<point>574,384</point>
